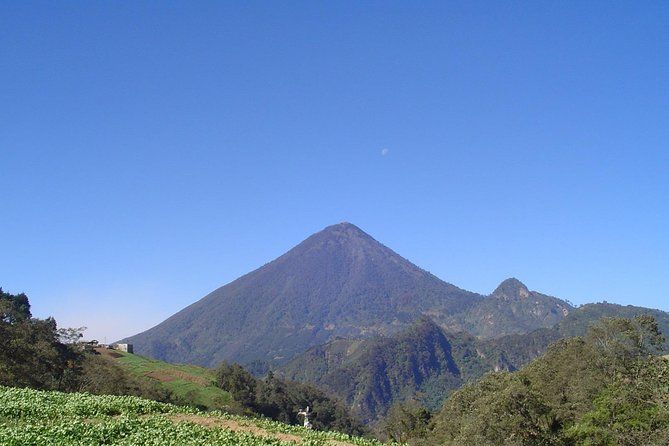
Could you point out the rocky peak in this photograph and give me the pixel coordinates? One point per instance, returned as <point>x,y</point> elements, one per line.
<point>344,229</point>
<point>511,289</point>
<point>342,235</point>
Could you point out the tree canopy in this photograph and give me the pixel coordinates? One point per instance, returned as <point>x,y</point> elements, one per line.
<point>281,400</point>
<point>606,388</point>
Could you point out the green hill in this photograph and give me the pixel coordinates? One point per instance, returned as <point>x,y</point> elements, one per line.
<point>188,384</point>
<point>32,417</point>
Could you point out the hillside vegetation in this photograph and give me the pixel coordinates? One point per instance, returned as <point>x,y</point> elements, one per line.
<point>605,388</point>
<point>421,362</point>
<point>34,354</point>
<point>188,384</point>
<point>35,418</point>
<point>426,363</point>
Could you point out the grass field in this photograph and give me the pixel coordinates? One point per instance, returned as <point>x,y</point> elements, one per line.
<point>188,382</point>
<point>32,417</point>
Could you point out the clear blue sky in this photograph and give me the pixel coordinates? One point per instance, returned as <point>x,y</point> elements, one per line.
<point>153,151</point>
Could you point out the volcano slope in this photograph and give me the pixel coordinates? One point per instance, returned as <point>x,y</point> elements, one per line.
<point>339,282</point>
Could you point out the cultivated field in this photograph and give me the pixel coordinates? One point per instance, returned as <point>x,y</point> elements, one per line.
<point>31,417</point>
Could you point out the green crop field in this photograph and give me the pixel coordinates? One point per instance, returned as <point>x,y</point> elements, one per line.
<point>188,382</point>
<point>31,417</point>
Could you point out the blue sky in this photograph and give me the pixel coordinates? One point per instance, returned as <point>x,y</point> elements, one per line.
<point>151,151</point>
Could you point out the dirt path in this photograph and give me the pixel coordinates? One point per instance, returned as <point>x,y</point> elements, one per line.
<point>168,375</point>
<point>236,426</point>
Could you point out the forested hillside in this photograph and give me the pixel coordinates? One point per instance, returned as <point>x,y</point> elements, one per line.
<point>421,362</point>
<point>608,387</point>
<point>425,363</point>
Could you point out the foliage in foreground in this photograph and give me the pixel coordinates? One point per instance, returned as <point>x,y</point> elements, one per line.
<point>31,417</point>
<point>606,388</point>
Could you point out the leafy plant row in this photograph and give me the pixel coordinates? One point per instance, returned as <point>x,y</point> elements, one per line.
<point>33,417</point>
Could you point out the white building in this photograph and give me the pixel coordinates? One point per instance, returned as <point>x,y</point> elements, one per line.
<point>122,347</point>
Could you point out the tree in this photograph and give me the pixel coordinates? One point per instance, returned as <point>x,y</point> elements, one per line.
<point>240,383</point>
<point>31,354</point>
<point>406,421</point>
<point>71,336</point>
<point>14,307</point>
<point>501,409</point>
<point>622,341</point>
<point>633,409</point>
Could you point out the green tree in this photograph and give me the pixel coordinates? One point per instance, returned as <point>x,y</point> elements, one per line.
<point>501,409</point>
<point>31,354</point>
<point>240,383</point>
<point>71,336</point>
<point>14,307</point>
<point>619,342</point>
<point>281,400</point>
<point>631,410</point>
<point>406,422</point>
<point>606,388</point>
